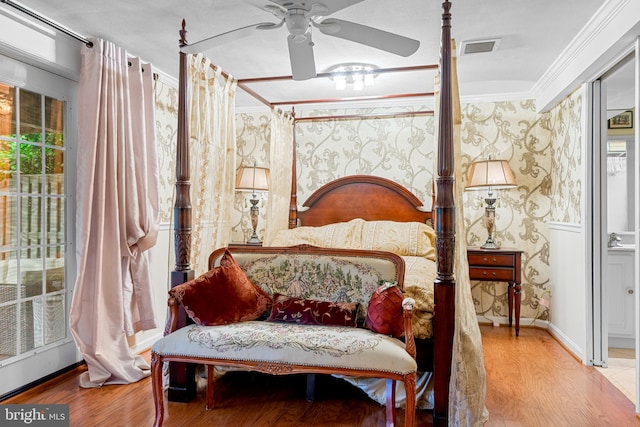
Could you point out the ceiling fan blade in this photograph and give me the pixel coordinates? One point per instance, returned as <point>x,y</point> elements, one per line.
<point>303,65</point>
<point>369,36</point>
<point>221,39</point>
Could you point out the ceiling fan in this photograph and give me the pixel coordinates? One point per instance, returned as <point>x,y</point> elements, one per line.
<point>299,16</point>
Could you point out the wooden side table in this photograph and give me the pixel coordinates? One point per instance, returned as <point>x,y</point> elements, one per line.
<point>499,265</point>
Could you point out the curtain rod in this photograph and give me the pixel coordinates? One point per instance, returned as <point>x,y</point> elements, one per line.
<point>47,21</point>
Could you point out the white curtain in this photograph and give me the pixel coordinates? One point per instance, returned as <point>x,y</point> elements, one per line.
<point>281,159</point>
<point>117,213</point>
<point>467,387</point>
<point>212,146</point>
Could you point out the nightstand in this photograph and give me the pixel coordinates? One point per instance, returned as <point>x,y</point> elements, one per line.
<point>499,265</point>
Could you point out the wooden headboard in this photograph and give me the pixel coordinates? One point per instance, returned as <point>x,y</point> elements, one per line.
<point>361,196</point>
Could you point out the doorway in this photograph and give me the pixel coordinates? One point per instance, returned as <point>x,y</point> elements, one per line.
<point>615,196</point>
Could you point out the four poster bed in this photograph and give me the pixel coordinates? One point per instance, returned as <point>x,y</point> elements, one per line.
<point>366,197</point>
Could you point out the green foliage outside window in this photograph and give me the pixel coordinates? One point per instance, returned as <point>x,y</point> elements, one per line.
<point>31,155</point>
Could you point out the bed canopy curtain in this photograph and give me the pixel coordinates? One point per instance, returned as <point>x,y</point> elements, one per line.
<point>467,387</point>
<point>212,156</point>
<point>280,155</point>
<point>117,213</point>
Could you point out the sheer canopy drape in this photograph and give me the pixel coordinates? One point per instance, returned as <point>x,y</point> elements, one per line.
<point>280,155</point>
<point>212,146</point>
<point>117,213</point>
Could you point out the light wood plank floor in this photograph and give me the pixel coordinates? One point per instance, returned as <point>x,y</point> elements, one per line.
<point>531,381</point>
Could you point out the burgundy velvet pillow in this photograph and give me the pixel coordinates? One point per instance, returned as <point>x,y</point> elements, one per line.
<point>222,295</point>
<point>384,313</point>
<point>313,312</point>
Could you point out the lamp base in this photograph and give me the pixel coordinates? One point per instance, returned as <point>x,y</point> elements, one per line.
<point>490,245</point>
<point>254,240</point>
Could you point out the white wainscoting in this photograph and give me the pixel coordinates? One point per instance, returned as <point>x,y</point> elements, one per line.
<point>568,286</point>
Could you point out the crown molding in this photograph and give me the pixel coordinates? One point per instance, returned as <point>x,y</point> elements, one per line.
<point>600,40</point>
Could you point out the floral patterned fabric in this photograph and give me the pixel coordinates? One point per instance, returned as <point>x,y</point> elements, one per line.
<point>319,277</point>
<point>290,343</point>
<point>413,241</point>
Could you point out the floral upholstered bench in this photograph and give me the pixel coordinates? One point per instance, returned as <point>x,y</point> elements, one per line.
<point>290,310</point>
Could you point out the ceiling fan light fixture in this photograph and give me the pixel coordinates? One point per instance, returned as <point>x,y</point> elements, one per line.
<point>358,75</point>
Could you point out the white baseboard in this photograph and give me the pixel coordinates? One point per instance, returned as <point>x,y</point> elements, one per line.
<point>567,343</point>
<point>145,344</point>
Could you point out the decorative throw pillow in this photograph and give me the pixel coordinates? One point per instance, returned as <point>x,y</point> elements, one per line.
<point>384,313</point>
<point>313,312</point>
<point>222,295</point>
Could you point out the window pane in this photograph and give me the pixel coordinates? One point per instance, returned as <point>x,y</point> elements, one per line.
<point>31,222</point>
<point>54,224</point>
<point>30,168</point>
<point>54,121</point>
<point>55,278</point>
<point>55,171</point>
<point>8,335</point>
<point>8,220</point>
<point>31,281</point>
<point>55,324</point>
<point>7,110</point>
<point>8,276</point>
<point>32,325</point>
<point>30,113</point>
<point>7,165</point>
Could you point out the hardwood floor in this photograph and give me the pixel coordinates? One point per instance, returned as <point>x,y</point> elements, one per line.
<point>531,381</point>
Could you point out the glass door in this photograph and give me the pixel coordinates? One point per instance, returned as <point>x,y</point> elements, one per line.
<point>34,240</point>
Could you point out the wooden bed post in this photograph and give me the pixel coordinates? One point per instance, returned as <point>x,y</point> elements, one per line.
<point>293,201</point>
<point>445,230</point>
<point>182,385</point>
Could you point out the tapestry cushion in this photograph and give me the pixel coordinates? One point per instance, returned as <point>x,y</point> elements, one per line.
<point>384,313</point>
<point>313,312</point>
<point>222,295</point>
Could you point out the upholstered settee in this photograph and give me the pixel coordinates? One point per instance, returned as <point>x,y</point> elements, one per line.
<point>286,310</point>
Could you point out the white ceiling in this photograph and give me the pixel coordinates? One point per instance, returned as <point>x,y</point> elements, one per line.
<point>532,35</point>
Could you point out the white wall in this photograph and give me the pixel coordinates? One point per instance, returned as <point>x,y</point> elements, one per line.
<point>568,297</point>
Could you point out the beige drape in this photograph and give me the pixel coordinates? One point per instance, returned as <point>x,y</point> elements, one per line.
<point>281,157</point>
<point>117,213</point>
<point>212,148</point>
<point>468,383</point>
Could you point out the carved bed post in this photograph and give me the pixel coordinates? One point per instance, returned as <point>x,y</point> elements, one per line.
<point>445,230</point>
<point>182,386</point>
<point>293,201</point>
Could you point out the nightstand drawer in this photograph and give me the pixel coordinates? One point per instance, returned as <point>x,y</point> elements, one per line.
<point>491,259</point>
<point>492,273</point>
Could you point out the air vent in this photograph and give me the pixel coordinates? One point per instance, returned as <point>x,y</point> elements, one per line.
<point>479,46</point>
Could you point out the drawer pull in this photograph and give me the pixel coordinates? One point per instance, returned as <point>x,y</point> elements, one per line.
<point>630,291</point>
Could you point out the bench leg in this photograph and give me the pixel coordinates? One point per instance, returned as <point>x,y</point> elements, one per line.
<point>210,381</point>
<point>156,387</point>
<point>391,402</point>
<point>311,387</point>
<point>410,393</point>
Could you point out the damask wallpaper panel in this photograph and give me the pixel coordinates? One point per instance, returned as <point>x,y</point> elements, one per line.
<point>513,131</point>
<point>398,148</point>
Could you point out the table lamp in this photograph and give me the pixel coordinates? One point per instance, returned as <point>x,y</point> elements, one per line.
<point>490,175</point>
<point>253,178</point>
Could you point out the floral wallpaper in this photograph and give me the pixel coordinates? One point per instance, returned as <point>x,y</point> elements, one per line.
<point>542,149</point>
<point>565,127</point>
<point>511,131</point>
